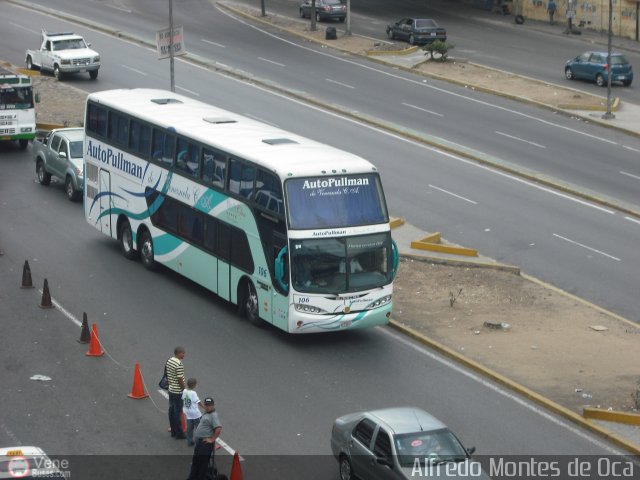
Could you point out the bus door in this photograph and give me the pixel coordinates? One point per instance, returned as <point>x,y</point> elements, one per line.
<point>105,201</point>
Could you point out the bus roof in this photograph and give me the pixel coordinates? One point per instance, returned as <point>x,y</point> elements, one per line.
<point>13,78</point>
<point>275,149</point>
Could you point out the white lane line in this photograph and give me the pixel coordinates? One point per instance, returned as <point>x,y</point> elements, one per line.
<point>224,445</point>
<point>339,83</point>
<point>195,94</point>
<point>630,148</point>
<point>634,220</point>
<point>520,139</point>
<point>24,28</point>
<point>67,314</point>
<point>116,7</point>
<point>587,247</point>
<point>133,69</point>
<point>491,386</point>
<point>423,109</point>
<point>630,175</point>
<point>453,194</point>
<point>213,43</point>
<point>271,61</point>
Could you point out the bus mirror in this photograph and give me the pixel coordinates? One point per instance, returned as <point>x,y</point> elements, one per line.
<point>395,257</point>
<point>279,269</point>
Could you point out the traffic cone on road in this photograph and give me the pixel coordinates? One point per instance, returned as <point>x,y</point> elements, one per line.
<point>26,276</point>
<point>85,335</point>
<point>137,391</point>
<point>236,469</point>
<point>183,422</point>
<point>46,296</point>
<point>95,350</point>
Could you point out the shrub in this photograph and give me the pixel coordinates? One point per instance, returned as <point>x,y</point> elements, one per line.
<point>437,50</point>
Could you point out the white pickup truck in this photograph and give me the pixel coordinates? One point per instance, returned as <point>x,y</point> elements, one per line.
<point>63,53</point>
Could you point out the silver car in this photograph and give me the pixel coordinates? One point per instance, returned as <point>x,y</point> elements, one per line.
<point>59,154</point>
<point>396,443</point>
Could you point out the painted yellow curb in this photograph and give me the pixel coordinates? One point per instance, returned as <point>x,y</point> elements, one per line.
<point>406,51</point>
<point>611,416</point>
<point>396,222</point>
<point>515,386</point>
<point>595,108</point>
<point>48,126</point>
<point>432,243</point>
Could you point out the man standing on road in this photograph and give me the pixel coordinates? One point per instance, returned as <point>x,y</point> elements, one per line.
<point>175,376</point>
<point>551,8</point>
<point>206,434</point>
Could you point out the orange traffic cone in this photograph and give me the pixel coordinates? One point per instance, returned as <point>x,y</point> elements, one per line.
<point>95,350</point>
<point>236,470</point>
<point>46,296</point>
<point>137,391</point>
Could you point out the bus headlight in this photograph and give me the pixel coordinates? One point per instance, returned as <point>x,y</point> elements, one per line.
<point>308,308</point>
<point>26,129</point>
<point>380,302</point>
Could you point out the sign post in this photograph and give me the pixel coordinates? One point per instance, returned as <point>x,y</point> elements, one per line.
<point>169,45</point>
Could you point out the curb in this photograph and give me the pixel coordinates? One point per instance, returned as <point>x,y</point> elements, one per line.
<point>611,415</point>
<point>382,53</point>
<point>515,386</point>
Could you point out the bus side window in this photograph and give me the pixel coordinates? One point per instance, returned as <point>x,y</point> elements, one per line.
<point>241,178</point>
<point>214,167</point>
<point>163,147</point>
<point>187,158</point>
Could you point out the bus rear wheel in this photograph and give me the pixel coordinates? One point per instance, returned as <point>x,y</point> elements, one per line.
<point>146,251</point>
<point>125,235</point>
<point>249,304</point>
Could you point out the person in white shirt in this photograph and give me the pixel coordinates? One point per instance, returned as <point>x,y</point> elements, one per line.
<point>191,402</point>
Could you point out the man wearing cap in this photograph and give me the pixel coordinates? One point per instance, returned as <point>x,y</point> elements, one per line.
<point>205,437</point>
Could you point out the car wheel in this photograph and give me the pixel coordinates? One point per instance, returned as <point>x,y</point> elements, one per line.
<point>301,13</point>
<point>146,251</point>
<point>24,142</point>
<point>626,83</point>
<point>317,17</point>
<point>93,74</point>
<point>57,73</point>
<point>125,235</point>
<point>249,304</point>
<point>71,192</point>
<point>600,80</point>
<point>568,73</point>
<point>44,177</point>
<point>390,34</point>
<point>412,40</point>
<point>346,472</point>
<point>29,63</point>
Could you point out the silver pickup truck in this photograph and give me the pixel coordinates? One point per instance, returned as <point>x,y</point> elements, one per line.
<point>63,53</point>
<point>59,153</point>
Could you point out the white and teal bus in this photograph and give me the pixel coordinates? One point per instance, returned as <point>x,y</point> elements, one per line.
<point>294,232</point>
<point>17,110</point>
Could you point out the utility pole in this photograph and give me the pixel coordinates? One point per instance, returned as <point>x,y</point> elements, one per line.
<point>173,82</point>
<point>348,32</point>
<point>608,115</point>
<point>312,15</point>
<point>262,8</point>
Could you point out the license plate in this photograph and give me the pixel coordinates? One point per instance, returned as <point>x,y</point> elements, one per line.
<point>345,323</point>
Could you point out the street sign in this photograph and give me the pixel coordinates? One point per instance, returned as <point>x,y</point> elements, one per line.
<point>163,42</point>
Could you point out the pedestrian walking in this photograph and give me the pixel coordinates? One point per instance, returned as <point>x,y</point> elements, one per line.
<point>205,437</point>
<point>175,376</point>
<point>191,404</point>
<point>551,9</point>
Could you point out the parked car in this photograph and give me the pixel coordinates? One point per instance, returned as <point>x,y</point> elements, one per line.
<point>593,66</point>
<point>417,31</point>
<point>325,10</point>
<point>393,443</point>
<point>59,153</point>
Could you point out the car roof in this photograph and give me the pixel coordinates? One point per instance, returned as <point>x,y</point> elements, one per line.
<point>407,419</point>
<point>72,134</point>
<point>613,54</point>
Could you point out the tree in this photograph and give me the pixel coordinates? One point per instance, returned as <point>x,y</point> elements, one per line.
<point>438,50</point>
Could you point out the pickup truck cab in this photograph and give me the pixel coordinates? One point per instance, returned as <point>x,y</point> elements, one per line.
<point>59,154</point>
<point>63,53</point>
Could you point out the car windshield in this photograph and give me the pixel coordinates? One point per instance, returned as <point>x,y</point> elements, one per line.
<point>426,23</point>
<point>71,44</point>
<point>429,448</point>
<point>16,97</point>
<point>329,265</point>
<point>75,149</point>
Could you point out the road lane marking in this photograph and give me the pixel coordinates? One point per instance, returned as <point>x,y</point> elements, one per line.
<point>634,220</point>
<point>62,310</point>
<point>520,139</point>
<point>497,389</point>
<point>133,69</point>
<point>24,28</point>
<point>271,61</point>
<point>423,109</point>
<point>630,148</point>
<point>630,175</point>
<point>453,194</point>
<point>586,246</point>
<point>213,43</point>
<point>339,83</point>
<point>195,94</point>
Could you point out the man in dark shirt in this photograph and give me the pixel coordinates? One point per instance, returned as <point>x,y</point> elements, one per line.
<point>205,437</point>
<point>175,376</point>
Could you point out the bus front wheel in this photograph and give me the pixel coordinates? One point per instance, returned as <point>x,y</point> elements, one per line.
<point>249,304</point>
<point>146,251</point>
<point>125,235</point>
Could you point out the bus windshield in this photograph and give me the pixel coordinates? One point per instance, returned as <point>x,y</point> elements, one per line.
<point>337,201</point>
<point>348,264</point>
<point>12,98</point>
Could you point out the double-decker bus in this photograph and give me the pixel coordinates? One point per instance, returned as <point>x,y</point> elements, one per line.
<point>294,232</point>
<point>17,110</point>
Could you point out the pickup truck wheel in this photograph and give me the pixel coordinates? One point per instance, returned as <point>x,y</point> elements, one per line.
<point>93,74</point>
<point>57,73</point>
<point>72,193</point>
<point>43,176</point>
<point>29,63</point>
